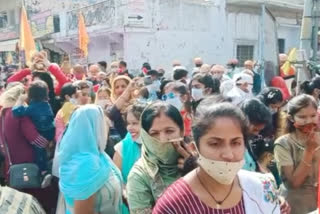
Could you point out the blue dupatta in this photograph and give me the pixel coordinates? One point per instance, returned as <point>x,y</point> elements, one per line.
<point>84,167</point>
<point>131,152</point>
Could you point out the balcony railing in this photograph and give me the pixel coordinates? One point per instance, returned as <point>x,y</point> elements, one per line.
<point>103,13</point>
<point>9,32</point>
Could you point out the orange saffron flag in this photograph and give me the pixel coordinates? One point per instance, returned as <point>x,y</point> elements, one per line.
<point>83,35</point>
<point>26,39</point>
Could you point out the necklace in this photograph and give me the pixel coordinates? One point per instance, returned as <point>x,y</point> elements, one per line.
<point>296,143</point>
<point>219,203</point>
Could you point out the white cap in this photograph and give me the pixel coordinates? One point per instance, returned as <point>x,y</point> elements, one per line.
<point>243,78</point>
<point>179,67</point>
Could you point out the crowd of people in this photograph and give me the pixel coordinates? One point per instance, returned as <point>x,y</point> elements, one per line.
<point>211,140</point>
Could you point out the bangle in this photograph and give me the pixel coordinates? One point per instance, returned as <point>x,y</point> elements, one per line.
<point>316,149</point>
<point>305,163</point>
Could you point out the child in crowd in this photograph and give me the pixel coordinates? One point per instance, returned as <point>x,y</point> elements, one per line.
<point>263,152</point>
<point>103,97</point>
<point>40,112</point>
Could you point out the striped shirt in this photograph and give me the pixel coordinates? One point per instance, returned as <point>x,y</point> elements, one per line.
<point>15,202</point>
<point>179,199</point>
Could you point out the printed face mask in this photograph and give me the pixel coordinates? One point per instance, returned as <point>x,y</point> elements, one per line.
<point>163,151</point>
<point>305,126</point>
<point>197,94</point>
<point>222,172</point>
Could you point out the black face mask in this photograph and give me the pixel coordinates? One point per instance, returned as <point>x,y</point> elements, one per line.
<point>198,65</point>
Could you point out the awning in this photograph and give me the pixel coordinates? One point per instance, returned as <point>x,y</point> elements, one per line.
<point>9,45</point>
<point>51,45</point>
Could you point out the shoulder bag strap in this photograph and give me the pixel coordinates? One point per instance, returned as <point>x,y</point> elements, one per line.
<point>3,139</point>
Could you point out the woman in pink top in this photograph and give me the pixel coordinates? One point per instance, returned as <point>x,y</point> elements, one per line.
<point>218,185</point>
<point>20,134</point>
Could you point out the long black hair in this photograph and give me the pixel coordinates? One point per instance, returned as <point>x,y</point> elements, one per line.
<point>270,95</point>
<point>209,82</point>
<point>67,89</point>
<point>307,87</point>
<point>297,104</point>
<point>206,116</point>
<point>155,109</point>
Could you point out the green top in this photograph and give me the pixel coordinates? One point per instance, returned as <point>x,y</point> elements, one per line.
<point>146,183</point>
<point>152,174</point>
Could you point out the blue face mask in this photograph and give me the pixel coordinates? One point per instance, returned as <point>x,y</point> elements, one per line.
<point>174,100</point>
<point>154,87</point>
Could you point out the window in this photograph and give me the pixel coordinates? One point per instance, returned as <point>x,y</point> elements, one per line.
<point>245,52</point>
<point>281,43</point>
<point>56,23</point>
<point>12,18</point>
<point>3,19</point>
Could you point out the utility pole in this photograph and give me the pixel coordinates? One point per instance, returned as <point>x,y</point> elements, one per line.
<point>309,41</point>
<point>315,19</point>
<point>306,28</point>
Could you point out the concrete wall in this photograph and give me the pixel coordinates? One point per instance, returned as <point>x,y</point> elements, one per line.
<point>291,34</point>
<point>180,32</point>
<point>173,29</point>
<point>243,29</point>
<point>12,31</point>
<point>208,32</point>
<point>7,5</point>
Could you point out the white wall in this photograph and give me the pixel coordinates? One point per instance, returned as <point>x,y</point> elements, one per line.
<point>213,38</point>
<point>180,32</point>
<point>291,34</point>
<point>99,50</point>
<point>8,5</point>
<point>242,29</point>
<point>161,48</point>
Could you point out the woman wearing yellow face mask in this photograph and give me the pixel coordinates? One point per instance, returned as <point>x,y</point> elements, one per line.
<point>218,185</point>
<point>161,133</point>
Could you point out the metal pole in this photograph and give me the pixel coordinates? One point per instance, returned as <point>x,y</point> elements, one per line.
<point>306,28</point>
<point>261,49</point>
<point>315,29</point>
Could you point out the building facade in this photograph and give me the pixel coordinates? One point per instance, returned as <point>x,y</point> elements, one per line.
<point>155,31</point>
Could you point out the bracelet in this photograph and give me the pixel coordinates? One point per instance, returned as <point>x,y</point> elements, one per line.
<point>305,163</point>
<point>316,149</point>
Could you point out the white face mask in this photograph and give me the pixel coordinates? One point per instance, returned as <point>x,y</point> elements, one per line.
<point>273,111</point>
<point>176,102</point>
<point>197,94</point>
<point>73,101</point>
<point>102,103</point>
<point>217,76</point>
<point>222,172</point>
